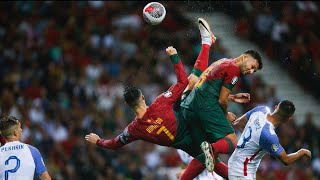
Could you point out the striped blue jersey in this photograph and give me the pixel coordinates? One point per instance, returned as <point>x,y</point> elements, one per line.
<point>257,139</point>
<point>20,161</point>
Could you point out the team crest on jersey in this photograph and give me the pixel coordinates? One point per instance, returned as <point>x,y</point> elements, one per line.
<point>275,147</point>
<point>234,80</point>
<point>167,94</point>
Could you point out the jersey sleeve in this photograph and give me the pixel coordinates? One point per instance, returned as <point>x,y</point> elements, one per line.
<point>38,161</point>
<point>263,109</point>
<point>232,75</point>
<point>269,141</point>
<point>122,139</point>
<point>175,91</point>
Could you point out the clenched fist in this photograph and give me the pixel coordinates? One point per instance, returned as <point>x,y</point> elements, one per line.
<point>171,51</point>
<point>92,138</point>
<point>306,152</point>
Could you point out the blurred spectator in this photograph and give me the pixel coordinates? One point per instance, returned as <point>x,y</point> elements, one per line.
<point>64,66</point>
<point>288,33</point>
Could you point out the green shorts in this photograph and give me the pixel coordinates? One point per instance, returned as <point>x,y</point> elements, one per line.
<point>207,125</point>
<point>196,127</point>
<point>184,140</point>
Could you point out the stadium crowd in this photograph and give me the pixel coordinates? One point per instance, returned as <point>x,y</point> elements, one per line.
<point>288,32</point>
<point>63,68</point>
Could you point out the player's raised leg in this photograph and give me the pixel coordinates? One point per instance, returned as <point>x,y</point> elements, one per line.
<point>207,39</point>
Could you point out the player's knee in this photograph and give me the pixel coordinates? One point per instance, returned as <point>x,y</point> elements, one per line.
<point>233,138</point>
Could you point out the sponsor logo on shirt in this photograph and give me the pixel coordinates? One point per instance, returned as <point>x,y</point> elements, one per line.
<point>275,147</point>
<point>234,80</point>
<point>257,123</point>
<point>167,94</point>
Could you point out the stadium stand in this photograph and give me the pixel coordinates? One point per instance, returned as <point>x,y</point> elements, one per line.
<point>63,66</point>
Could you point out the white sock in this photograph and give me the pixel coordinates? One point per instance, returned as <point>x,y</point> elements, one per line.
<point>206,40</point>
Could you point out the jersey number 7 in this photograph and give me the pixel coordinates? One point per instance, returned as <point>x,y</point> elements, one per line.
<point>166,131</point>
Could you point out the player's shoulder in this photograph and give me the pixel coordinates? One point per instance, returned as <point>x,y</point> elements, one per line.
<point>261,109</point>
<point>228,62</point>
<point>229,65</point>
<point>30,146</point>
<point>268,130</point>
<point>160,103</point>
<point>33,149</point>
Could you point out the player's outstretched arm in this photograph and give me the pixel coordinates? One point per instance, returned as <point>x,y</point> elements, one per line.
<point>179,69</point>
<point>288,159</point>
<point>175,91</point>
<point>114,143</point>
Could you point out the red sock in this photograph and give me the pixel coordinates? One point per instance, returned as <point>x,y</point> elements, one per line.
<point>202,61</point>
<point>224,146</point>
<point>193,169</point>
<point>221,169</point>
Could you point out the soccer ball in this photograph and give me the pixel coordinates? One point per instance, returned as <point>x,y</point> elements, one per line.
<point>154,13</point>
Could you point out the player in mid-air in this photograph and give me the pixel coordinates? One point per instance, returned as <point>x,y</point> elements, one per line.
<point>258,138</point>
<point>161,123</point>
<point>19,160</point>
<point>205,109</point>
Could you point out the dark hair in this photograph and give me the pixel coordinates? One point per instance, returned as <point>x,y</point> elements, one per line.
<point>256,56</point>
<point>286,109</point>
<point>6,124</point>
<point>131,95</point>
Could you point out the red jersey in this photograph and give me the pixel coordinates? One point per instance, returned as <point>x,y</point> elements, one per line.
<point>159,124</point>
<point>206,92</point>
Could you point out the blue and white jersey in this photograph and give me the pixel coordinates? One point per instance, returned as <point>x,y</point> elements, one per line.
<point>20,161</point>
<point>258,138</point>
<point>205,175</point>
